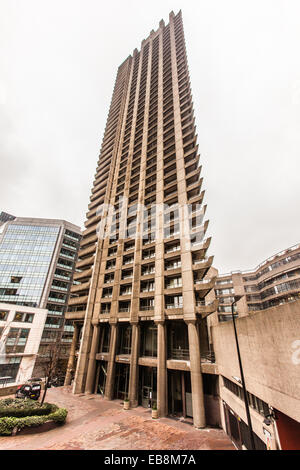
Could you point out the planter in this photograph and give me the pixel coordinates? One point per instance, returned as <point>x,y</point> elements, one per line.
<point>126,405</point>
<point>154,414</point>
<point>47,426</point>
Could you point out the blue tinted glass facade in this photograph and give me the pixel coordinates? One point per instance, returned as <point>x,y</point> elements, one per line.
<point>25,256</point>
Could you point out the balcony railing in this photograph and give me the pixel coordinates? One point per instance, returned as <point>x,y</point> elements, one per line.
<point>208,356</point>
<point>146,307</point>
<point>180,354</point>
<point>174,306</point>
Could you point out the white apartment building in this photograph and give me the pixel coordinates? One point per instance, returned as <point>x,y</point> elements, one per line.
<point>21,331</point>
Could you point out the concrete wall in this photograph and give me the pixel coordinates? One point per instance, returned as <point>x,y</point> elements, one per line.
<point>270,349</point>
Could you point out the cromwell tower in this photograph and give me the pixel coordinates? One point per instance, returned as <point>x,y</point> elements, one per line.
<point>139,298</point>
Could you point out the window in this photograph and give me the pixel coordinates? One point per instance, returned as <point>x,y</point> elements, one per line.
<point>3,315</point>
<point>256,403</point>
<point>173,302</point>
<point>125,339</point>
<point>173,282</point>
<point>104,338</point>
<point>149,340</point>
<point>16,340</point>
<point>10,369</point>
<point>178,343</point>
<point>24,317</point>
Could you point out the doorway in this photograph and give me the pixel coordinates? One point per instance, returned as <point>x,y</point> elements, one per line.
<point>122,381</point>
<point>148,386</point>
<point>179,394</point>
<point>101,377</point>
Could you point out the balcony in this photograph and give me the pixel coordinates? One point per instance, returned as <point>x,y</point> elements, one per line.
<point>79,315</point>
<point>180,354</point>
<point>204,286</point>
<point>206,308</point>
<point>78,300</point>
<point>202,265</point>
<point>80,287</point>
<point>81,275</point>
<point>87,251</point>
<point>85,262</point>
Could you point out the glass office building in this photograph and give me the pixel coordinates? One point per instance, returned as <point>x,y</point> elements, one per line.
<point>25,257</point>
<point>37,261</point>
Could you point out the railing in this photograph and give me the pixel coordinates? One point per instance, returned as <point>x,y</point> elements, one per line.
<point>180,354</point>
<point>174,306</point>
<point>202,281</point>
<point>200,261</point>
<point>208,356</point>
<point>253,271</point>
<point>173,266</point>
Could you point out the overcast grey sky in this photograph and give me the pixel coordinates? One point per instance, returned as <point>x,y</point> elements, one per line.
<point>58,62</point>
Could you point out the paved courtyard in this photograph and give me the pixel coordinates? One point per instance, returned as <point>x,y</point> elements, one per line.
<point>94,423</point>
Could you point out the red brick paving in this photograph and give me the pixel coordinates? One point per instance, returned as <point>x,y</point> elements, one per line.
<point>94,423</point>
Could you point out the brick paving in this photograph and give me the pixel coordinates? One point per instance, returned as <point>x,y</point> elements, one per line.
<point>94,423</point>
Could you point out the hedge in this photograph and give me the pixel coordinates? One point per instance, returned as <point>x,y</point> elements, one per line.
<point>20,408</point>
<point>7,424</point>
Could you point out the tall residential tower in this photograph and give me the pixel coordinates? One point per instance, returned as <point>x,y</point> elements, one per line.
<point>138,303</point>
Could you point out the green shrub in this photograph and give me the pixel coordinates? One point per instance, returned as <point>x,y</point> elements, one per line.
<point>24,407</point>
<point>7,424</point>
<point>59,416</point>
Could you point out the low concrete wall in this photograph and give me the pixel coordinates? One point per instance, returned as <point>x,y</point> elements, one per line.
<point>9,390</point>
<point>270,349</point>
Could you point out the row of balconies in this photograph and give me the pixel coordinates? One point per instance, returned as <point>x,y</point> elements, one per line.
<point>147,270</point>
<point>172,305</point>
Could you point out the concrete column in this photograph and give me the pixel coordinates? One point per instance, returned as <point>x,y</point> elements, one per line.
<point>161,370</point>
<point>90,379</point>
<point>71,361</point>
<point>196,376</point>
<point>133,377</point>
<point>109,386</point>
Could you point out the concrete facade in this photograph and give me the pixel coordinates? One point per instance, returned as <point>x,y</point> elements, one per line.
<point>142,271</point>
<point>270,350</point>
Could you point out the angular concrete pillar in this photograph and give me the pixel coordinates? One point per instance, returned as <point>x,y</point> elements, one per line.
<point>133,377</point>
<point>161,370</point>
<point>90,379</point>
<point>71,361</point>
<point>109,386</point>
<point>196,376</point>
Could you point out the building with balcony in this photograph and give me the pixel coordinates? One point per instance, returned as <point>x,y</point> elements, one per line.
<point>37,262</point>
<point>274,282</point>
<point>270,353</point>
<point>142,277</point>
<point>268,325</point>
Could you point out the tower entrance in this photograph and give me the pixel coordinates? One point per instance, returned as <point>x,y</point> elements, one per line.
<point>148,386</point>
<point>179,394</point>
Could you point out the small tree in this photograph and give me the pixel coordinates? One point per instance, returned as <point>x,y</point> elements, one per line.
<point>49,366</point>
